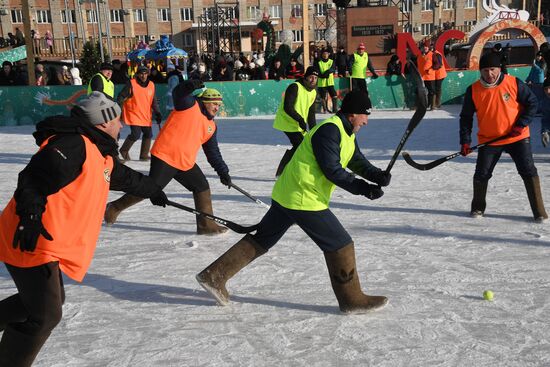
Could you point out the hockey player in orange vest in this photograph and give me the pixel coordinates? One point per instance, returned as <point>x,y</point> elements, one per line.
<point>505,107</point>
<point>52,223</point>
<point>139,103</point>
<point>173,156</point>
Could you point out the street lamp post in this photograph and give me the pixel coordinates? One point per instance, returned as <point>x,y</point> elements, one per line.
<point>71,34</point>
<point>99,31</point>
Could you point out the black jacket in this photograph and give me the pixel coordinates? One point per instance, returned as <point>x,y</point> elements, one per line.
<point>60,162</point>
<point>326,148</point>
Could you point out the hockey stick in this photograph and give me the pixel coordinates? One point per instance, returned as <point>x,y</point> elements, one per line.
<point>256,200</point>
<point>232,226</point>
<point>437,162</point>
<point>421,107</point>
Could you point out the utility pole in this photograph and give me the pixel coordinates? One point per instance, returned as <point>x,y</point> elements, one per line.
<point>69,19</point>
<point>26,10</point>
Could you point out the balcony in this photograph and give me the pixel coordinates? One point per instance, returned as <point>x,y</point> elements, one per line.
<point>61,48</point>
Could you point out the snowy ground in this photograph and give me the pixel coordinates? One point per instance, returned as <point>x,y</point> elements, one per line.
<point>140,305</point>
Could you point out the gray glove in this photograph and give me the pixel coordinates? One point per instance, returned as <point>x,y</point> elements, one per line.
<point>545,138</point>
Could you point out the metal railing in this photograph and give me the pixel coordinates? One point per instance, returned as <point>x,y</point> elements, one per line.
<point>61,49</point>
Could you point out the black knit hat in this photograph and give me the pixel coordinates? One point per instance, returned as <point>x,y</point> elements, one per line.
<point>357,102</point>
<point>489,60</point>
<point>106,66</point>
<point>312,70</point>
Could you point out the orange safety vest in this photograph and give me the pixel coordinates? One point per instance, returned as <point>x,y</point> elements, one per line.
<point>181,137</point>
<point>497,110</point>
<point>425,66</point>
<point>137,108</point>
<point>440,73</point>
<point>73,217</point>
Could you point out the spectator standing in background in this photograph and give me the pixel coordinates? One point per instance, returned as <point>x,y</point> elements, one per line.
<point>535,79</point>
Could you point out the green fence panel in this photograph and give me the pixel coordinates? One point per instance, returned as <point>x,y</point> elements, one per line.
<point>28,105</point>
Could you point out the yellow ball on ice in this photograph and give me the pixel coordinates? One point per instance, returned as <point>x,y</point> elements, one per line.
<point>488,295</point>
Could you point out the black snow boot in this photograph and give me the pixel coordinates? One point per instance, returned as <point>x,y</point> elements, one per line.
<point>478,202</point>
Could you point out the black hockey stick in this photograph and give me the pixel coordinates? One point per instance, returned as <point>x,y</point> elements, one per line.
<point>256,200</point>
<point>437,162</point>
<point>232,226</point>
<point>421,107</point>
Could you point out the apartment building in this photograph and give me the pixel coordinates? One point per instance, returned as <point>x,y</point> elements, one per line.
<point>148,19</point>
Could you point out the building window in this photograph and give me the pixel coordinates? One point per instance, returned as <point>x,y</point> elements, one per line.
<point>296,10</point>
<point>186,14</point>
<point>163,15</point>
<point>188,40</point>
<point>139,15</point>
<point>319,34</point>
<point>43,16</point>
<point>278,36</point>
<point>470,4</point>
<point>406,6</point>
<point>427,29</point>
<point>448,4</point>
<point>252,12</point>
<point>91,16</point>
<point>116,15</point>
<point>298,35</point>
<point>68,17</point>
<point>16,16</point>
<point>469,24</point>
<point>320,10</point>
<point>275,11</point>
<point>427,5</point>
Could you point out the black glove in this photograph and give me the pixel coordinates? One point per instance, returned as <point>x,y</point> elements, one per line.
<point>303,125</point>
<point>382,178</point>
<point>372,192</point>
<point>225,179</point>
<point>159,199</point>
<point>158,118</point>
<point>28,230</point>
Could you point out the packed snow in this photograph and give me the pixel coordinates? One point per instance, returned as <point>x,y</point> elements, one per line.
<point>140,305</point>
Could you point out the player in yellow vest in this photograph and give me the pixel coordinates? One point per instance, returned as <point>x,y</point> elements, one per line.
<point>139,104</point>
<point>505,107</point>
<point>301,196</point>
<point>325,83</point>
<point>101,82</point>
<point>358,63</point>
<point>296,112</point>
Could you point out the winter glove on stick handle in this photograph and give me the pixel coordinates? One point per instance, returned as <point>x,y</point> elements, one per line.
<point>159,199</point>
<point>465,149</point>
<point>225,179</point>
<point>28,230</point>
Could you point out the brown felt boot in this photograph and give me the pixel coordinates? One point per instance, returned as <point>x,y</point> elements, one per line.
<point>114,208</point>
<point>145,147</point>
<point>125,149</point>
<point>478,201</point>
<point>203,203</point>
<point>345,283</point>
<point>214,277</point>
<point>284,161</point>
<point>18,349</point>
<point>532,185</point>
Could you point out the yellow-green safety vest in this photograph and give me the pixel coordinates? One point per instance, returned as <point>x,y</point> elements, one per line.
<point>302,185</point>
<point>324,66</point>
<point>108,86</point>
<point>304,100</point>
<point>359,67</point>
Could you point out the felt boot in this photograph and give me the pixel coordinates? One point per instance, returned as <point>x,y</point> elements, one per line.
<point>478,201</point>
<point>144,151</point>
<point>345,283</point>
<point>214,277</point>
<point>203,203</point>
<point>114,208</point>
<point>532,185</point>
